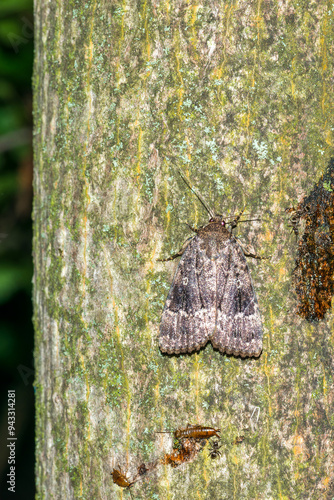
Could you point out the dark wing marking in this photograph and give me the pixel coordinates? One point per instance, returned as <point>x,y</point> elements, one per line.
<point>238,328</point>
<point>185,321</point>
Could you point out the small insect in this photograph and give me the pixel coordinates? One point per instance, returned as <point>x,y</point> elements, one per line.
<point>197,432</point>
<point>121,480</point>
<point>212,296</point>
<point>142,469</point>
<point>214,450</point>
<point>313,275</point>
<point>238,440</point>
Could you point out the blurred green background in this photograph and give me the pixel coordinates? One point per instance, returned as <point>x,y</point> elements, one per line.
<point>16,332</point>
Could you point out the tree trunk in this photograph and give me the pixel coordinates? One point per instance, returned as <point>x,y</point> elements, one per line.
<point>239,95</point>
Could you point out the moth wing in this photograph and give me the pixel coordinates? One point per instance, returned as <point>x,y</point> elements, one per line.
<point>184,326</point>
<point>238,325</point>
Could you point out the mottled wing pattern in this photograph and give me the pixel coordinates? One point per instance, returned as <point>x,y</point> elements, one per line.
<point>212,298</point>
<point>185,323</point>
<point>238,326</point>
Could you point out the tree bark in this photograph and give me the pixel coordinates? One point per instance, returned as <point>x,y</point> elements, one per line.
<point>240,94</point>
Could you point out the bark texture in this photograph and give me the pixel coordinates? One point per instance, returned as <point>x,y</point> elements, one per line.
<point>241,94</point>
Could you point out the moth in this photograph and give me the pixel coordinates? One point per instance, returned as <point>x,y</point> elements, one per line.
<point>212,296</point>
<point>313,276</point>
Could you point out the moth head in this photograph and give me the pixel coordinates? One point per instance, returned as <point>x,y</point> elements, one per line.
<point>218,218</point>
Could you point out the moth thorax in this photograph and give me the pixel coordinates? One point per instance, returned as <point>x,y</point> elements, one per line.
<point>218,219</point>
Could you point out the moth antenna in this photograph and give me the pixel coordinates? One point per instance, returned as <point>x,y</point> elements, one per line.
<point>196,193</point>
<point>249,220</point>
<point>233,217</point>
<point>235,221</point>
